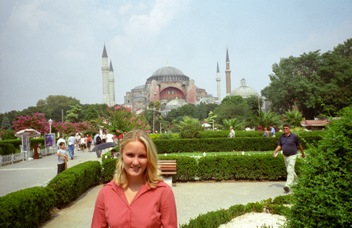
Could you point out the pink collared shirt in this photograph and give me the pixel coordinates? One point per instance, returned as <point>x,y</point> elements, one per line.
<point>151,207</point>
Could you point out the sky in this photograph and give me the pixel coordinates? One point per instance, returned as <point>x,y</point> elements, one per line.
<point>54,47</point>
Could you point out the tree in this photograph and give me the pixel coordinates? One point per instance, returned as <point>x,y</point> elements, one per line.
<point>72,115</point>
<point>315,84</point>
<point>336,74</point>
<point>235,123</point>
<point>91,112</point>
<point>232,107</point>
<point>265,119</point>
<point>36,121</point>
<point>5,123</point>
<point>255,103</point>
<point>293,117</point>
<point>322,196</point>
<point>123,120</point>
<point>295,83</point>
<point>189,127</point>
<point>53,106</point>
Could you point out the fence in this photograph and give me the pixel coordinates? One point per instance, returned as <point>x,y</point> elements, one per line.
<point>24,155</point>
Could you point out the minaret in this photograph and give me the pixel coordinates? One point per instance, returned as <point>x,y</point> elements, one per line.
<point>218,82</point>
<point>105,77</point>
<point>228,74</point>
<point>111,86</point>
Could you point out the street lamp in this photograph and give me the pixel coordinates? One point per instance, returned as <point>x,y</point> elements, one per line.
<point>50,123</point>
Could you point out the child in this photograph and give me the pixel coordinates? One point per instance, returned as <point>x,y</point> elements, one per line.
<point>113,151</point>
<point>62,158</point>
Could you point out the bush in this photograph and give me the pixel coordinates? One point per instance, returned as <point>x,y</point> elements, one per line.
<point>219,217</point>
<point>7,148</point>
<point>187,167</point>
<point>71,183</point>
<point>226,144</point>
<point>26,208</point>
<point>225,133</point>
<point>241,167</point>
<point>108,169</point>
<point>322,198</point>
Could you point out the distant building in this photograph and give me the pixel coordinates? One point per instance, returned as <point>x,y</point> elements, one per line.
<point>108,80</point>
<point>314,124</point>
<point>168,85</point>
<point>244,90</point>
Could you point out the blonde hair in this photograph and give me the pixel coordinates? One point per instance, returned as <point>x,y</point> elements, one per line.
<point>151,173</point>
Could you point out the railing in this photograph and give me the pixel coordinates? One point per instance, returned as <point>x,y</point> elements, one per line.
<point>24,155</point>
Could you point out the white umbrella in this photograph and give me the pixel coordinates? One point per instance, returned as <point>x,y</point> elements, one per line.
<point>29,132</point>
<point>206,125</point>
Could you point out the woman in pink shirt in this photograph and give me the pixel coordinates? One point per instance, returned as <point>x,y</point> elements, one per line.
<point>137,196</point>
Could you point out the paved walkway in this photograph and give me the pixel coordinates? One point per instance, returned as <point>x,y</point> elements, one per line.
<point>192,199</point>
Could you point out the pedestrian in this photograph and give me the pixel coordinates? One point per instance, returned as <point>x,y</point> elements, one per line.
<point>83,143</point>
<point>113,152</point>
<point>266,132</point>
<point>289,142</point>
<point>137,196</point>
<point>71,145</point>
<point>232,133</point>
<point>78,140</point>
<point>96,141</point>
<point>62,157</point>
<point>89,142</point>
<point>272,131</point>
<point>61,139</point>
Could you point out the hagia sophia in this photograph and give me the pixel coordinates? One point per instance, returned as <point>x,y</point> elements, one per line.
<point>170,86</point>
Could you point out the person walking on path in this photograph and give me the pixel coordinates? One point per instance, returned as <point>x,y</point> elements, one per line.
<point>61,139</point>
<point>137,196</point>
<point>71,145</point>
<point>289,143</point>
<point>96,141</point>
<point>232,133</point>
<point>62,158</point>
<point>272,131</point>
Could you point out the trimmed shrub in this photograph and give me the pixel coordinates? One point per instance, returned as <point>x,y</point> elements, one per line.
<point>242,167</point>
<point>71,183</point>
<point>322,198</point>
<point>187,167</point>
<point>108,169</point>
<point>7,148</point>
<point>219,217</point>
<point>226,144</point>
<point>26,208</point>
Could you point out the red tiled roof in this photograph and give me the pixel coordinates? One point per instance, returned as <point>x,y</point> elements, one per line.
<point>314,123</point>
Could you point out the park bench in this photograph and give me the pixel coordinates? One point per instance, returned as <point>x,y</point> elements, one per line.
<point>168,168</point>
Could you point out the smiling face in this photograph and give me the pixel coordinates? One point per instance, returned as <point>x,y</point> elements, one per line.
<point>134,156</point>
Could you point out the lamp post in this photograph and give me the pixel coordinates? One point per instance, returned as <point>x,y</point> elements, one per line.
<point>50,123</point>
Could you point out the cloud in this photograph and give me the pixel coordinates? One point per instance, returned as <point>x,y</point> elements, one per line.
<point>27,15</point>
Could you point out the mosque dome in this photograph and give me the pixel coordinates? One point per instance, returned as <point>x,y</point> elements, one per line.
<point>244,91</point>
<point>168,74</point>
<point>174,104</point>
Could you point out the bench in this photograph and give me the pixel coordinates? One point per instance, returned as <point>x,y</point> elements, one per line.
<point>168,168</point>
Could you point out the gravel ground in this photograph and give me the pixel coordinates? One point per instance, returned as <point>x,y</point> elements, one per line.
<point>256,220</point>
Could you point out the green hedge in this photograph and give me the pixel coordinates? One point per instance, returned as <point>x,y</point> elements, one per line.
<point>7,148</point>
<point>220,167</point>
<point>26,208</point>
<point>108,169</point>
<point>223,216</point>
<point>225,133</point>
<point>71,183</point>
<point>226,144</point>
